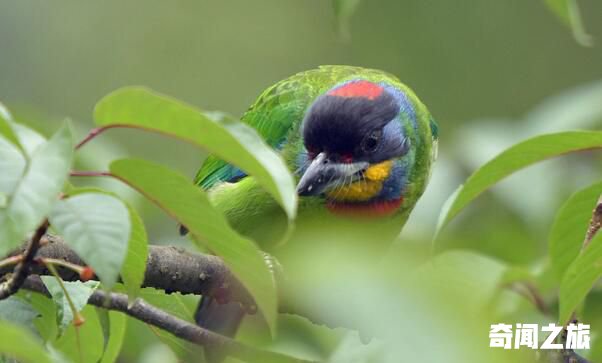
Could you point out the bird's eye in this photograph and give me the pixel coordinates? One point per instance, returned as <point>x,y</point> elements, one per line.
<point>370,142</point>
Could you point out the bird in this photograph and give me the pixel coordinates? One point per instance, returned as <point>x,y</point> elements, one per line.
<point>361,146</point>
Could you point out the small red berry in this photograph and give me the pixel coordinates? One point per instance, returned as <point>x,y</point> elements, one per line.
<point>78,320</point>
<point>86,274</point>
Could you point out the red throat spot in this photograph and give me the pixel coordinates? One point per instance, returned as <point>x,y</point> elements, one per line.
<point>364,89</point>
<point>347,158</point>
<point>377,209</point>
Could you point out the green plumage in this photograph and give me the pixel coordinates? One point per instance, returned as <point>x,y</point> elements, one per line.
<point>277,115</point>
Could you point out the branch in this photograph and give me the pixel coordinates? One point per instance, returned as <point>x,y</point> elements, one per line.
<point>23,269</point>
<point>149,314</point>
<point>568,355</point>
<point>174,269</point>
<point>594,224</point>
<point>168,268</point>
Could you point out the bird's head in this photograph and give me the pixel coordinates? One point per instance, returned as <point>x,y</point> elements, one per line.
<point>361,144</point>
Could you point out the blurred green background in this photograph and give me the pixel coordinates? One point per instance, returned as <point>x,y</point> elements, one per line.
<point>492,73</point>
<point>481,67</point>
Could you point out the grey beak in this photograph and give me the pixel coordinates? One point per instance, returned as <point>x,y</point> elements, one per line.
<point>323,172</point>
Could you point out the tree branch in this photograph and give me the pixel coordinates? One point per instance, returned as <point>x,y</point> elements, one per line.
<point>594,224</point>
<point>16,280</point>
<point>149,314</point>
<point>168,268</point>
<point>174,269</point>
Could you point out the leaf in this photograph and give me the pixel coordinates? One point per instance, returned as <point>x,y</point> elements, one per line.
<point>37,190</point>
<point>17,311</point>
<point>46,323</point>
<point>87,344</point>
<point>12,167</point>
<point>453,273</point>
<point>176,304</point>
<point>579,278</point>
<point>232,141</point>
<point>343,11</point>
<point>190,205</point>
<point>16,341</point>
<point>30,139</point>
<point>6,128</point>
<point>79,292</point>
<point>568,12</point>
<point>570,224</point>
<point>181,306</point>
<point>134,265</point>
<point>515,158</point>
<point>56,356</point>
<point>117,326</point>
<point>97,226</point>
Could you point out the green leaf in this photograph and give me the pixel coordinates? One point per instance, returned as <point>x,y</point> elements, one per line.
<point>30,139</point>
<point>6,128</point>
<point>515,158</point>
<point>18,311</point>
<point>453,273</point>
<point>230,140</point>
<point>176,304</point>
<point>343,11</point>
<point>46,323</point>
<point>87,344</point>
<point>117,326</point>
<point>79,292</point>
<point>134,265</point>
<point>570,224</point>
<point>579,278</point>
<point>16,341</point>
<point>181,306</point>
<point>190,205</point>
<point>12,166</point>
<point>97,227</point>
<point>568,12</point>
<point>37,190</point>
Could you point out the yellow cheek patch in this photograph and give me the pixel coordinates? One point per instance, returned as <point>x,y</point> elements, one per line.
<point>379,172</point>
<point>366,189</point>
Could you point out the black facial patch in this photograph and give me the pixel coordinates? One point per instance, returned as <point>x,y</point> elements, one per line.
<point>337,125</point>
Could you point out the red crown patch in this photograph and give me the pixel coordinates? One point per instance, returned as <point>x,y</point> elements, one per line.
<point>364,89</point>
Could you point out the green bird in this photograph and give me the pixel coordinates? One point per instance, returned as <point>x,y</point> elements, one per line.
<point>361,144</point>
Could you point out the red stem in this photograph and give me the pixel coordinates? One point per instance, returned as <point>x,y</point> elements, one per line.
<point>90,173</point>
<point>95,132</point>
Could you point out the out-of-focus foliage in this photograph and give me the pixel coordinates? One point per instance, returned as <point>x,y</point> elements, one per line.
<point>17,341</point>
<point>566,234</point>
<point>568,12</point>
<point>343,10</point>
<point>34,187</point>
<point>515,158</point>
<point>189,205</point>
<point>231,141</point>
<point>579,278</point>
<point>493,73</point>
<point>116,331</point>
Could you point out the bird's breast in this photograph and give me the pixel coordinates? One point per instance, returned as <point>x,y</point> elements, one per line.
<point>365,189</point>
